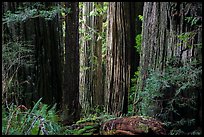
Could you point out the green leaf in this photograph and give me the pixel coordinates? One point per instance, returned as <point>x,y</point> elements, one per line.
<point>140,17</point>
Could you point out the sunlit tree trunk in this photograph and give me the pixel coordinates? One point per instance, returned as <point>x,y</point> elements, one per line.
<point>91,93</point>
<point>86,58</point>
<point>118,57</point>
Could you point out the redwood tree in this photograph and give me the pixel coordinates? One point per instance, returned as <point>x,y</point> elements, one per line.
<point>119,43</point>
<point>91,92</point>
<point>162,24</point>
<point>71,67</point>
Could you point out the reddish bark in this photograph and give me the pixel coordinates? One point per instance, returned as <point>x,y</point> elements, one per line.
<point>135,125</point>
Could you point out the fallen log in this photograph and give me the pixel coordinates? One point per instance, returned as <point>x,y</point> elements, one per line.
<point>134,125</point>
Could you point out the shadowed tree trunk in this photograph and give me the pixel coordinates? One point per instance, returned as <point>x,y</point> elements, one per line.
<point>42,78</point>
<point>48,50</point>
<point>70,96</point>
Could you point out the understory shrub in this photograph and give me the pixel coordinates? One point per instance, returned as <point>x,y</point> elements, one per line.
<point>173,96</point>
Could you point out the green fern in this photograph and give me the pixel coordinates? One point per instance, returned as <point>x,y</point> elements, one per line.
<point>27,122</point>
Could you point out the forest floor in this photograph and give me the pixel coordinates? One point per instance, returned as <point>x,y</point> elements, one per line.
<point>133,125</point>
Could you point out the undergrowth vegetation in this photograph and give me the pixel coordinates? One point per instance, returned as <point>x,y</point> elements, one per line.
<point>88,125</point>
<point>15,56</point>
<point>45,120</point>
<point>40,120</point>
<point>173,96</point>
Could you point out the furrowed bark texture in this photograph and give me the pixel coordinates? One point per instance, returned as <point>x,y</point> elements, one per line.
<point>91,92</point>
<point>98,94</point>
<point>118,57</point>
<point>86,61</point>
<point>163,22</point>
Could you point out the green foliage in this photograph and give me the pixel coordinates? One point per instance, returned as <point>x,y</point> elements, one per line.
<point>19,16</point>
<point>132,91</point>
<point>4,120</point>
<point>103,35</point>
<point>98,10</point>
<point>88,33</point>
<point>18,120</point>
<point>32,11</point>
<point>192,20</point>
<point>140,17</point>
<point>151,91</point>
<point>87,130</point>
<point>135,80</point>
<point>88,125</point>
<point>173,93</point>
<point>185,39</point>
<point>19,52</point>
<point>93,111</point>
<point>138,40</point>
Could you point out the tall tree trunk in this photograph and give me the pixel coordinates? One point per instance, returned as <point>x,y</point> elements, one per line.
<point>91,93</point>
<point>86,58</point>
<point>48,56</point>
<point>97,57</point>
<point>118,57</point>
<point>163,23</point>
<point>70,98</point>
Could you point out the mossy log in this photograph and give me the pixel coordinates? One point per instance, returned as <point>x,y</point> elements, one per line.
<point>135,125</point>
<point>87,128</point>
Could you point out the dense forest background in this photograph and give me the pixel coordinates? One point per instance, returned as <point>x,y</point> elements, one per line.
<point>96,68</point>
